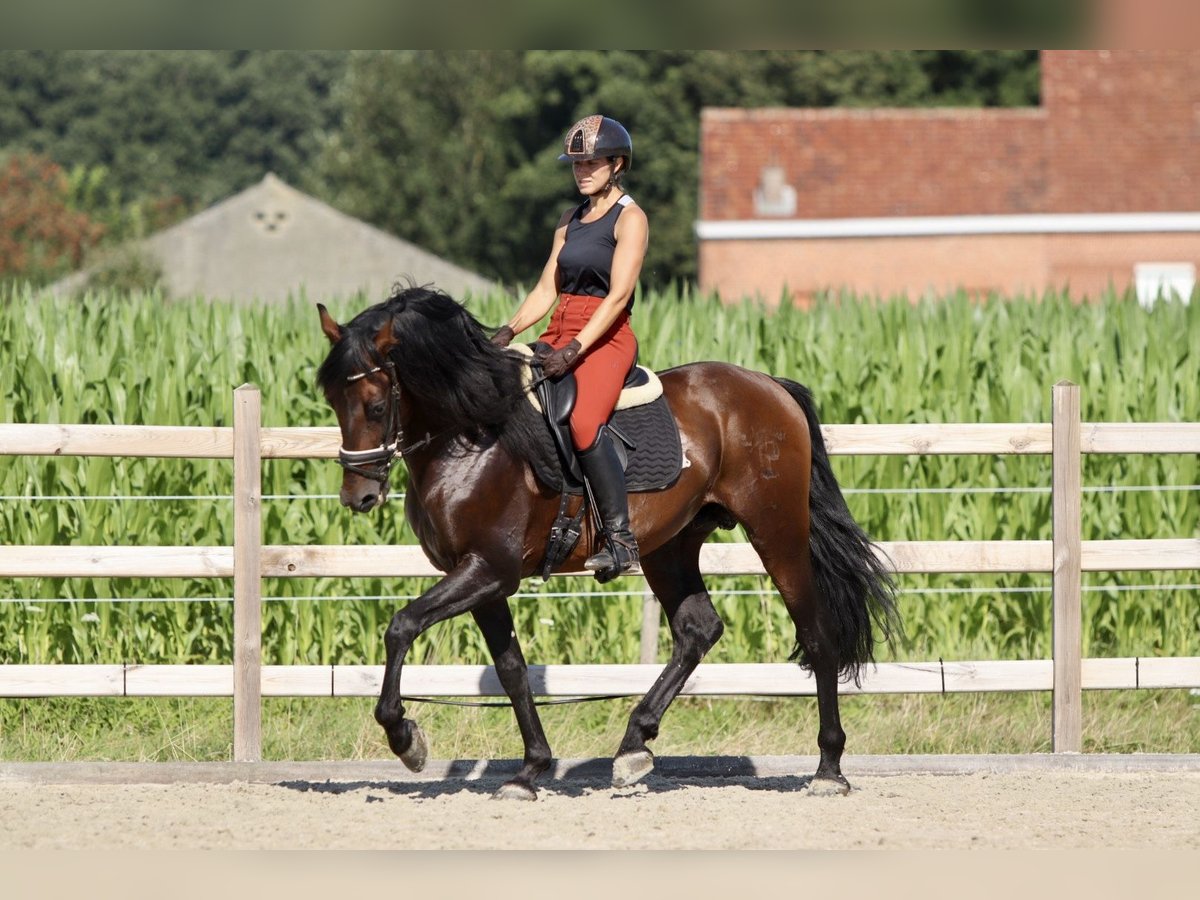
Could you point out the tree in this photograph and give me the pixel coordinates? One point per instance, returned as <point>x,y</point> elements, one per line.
<point>453,150</point>
<point>194,124</point>
<point>457,151</point>
<point>41,236</point>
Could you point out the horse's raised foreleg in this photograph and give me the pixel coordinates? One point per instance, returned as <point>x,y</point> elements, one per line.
<point>673,573</point>
<point>472,584</point>
<point>496,623</point>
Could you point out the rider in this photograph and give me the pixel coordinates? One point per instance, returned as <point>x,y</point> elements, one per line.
<point>594,264</point>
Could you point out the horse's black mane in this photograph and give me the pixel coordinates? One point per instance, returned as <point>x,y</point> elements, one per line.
<point>444,360</point>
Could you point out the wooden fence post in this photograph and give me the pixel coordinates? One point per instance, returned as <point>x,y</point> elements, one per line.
<point>247,575</point>
<point>1067,577</point>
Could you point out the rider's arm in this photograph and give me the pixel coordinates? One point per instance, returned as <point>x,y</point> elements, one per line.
<point>539,300</point>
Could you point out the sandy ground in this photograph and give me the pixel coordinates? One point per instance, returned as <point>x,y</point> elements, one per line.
<point>1057,810</point>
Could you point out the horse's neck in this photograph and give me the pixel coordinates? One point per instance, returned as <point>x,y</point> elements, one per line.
<point>435,445</point>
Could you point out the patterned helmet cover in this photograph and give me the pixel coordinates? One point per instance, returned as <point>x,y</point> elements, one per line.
<point>594,137</point>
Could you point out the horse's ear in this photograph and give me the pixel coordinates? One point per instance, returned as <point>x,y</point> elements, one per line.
<point>385,339</point>
<point>332,329</point>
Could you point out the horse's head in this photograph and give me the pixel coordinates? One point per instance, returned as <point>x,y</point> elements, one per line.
<point>420,356</point>
<point>360,384</point>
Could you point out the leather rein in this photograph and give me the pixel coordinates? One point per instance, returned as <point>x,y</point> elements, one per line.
<point>376,463</point>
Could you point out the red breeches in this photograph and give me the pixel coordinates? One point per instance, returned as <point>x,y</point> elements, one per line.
<point>601,371</point>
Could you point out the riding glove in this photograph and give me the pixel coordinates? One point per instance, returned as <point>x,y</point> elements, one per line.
<point>503,336</point>
<point>559,362</point>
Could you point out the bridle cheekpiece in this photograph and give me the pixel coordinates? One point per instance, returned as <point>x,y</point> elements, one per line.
<point>376,464</point>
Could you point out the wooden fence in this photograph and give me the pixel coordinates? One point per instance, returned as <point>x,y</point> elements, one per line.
<point>1066,556</point>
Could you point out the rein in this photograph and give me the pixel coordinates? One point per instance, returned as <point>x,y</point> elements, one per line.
<point>376,463</point>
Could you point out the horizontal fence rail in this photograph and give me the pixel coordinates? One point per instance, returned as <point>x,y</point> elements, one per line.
<point>408,561</point>
<point>190,441</point>
<point>576,680</point>
<point>248,562</point>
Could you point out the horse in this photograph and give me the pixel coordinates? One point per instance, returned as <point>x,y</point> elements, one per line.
<point>416,377</point>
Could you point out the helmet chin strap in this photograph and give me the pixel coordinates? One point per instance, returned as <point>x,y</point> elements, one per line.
<point>612,179</point>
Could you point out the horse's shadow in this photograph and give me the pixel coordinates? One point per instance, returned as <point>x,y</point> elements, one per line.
<point>587,778</point>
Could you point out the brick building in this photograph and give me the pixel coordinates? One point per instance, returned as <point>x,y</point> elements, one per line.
<point>1099,185</point>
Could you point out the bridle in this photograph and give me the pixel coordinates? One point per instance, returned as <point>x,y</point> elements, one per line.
<point>376,463</point>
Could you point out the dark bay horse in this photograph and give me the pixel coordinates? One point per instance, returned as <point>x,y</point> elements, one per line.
<point>416,376</point>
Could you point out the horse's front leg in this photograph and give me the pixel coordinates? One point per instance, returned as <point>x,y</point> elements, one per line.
<point>496,623</point>
<point>471,584</point>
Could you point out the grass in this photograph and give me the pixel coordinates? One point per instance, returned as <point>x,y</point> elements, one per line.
<point>191,729</point>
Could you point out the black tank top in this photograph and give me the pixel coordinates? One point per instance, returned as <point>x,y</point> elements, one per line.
<point>585,260</point>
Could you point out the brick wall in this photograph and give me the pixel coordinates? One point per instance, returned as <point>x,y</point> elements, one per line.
<point>1122,131</point>
<point>853,163</point>
<point>1118,131</point>
<point>1010,264</point>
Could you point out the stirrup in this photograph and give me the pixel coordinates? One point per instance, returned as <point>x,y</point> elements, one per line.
<point>619,554</point>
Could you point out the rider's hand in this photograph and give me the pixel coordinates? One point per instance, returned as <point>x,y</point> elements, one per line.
<point>503,336</point>
<point>560,361</point>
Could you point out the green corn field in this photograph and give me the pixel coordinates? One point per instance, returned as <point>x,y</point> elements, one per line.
<point>116,358</point>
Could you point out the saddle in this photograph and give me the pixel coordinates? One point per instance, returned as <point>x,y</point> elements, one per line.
<point>647,442</point>
<point>647,438</point>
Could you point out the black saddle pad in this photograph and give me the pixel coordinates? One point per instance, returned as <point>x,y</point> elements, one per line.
<point>655,461</point>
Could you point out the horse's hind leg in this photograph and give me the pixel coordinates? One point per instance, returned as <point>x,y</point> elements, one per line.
<point>673,573</point>
<point>496,623</point>
<point>784,551</point>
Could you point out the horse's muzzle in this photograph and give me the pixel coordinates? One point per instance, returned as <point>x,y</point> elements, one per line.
<point>358,493</point>
<point>363,496</point>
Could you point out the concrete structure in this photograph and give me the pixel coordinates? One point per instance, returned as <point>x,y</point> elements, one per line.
<point>1098,186</point>
<point>271,240</point>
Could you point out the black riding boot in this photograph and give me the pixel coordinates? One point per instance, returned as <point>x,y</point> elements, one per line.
<point>606,481</point>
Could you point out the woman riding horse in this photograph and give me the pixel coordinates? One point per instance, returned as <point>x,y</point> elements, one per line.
<point>417,377</point>
<point>594,263</point>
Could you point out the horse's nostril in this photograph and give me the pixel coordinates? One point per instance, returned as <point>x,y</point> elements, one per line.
<point>366,503</point>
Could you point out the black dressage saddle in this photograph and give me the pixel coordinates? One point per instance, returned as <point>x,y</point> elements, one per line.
<point>647,441</point>
<point>647,438</point>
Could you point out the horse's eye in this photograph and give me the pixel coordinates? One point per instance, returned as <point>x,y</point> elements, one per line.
<point>375,410</point>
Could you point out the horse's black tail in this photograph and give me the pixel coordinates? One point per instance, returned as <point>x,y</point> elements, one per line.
<point>850,578</point>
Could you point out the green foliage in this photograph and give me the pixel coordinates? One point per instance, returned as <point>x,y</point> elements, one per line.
<point>198,124</point>
<point>134,359</point>
<point>457,151</point>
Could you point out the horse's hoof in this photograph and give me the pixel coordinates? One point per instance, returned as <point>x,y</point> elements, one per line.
<point>515,790</point>
<point>630,768</point>
<point>418,749</point>
<point>828,787</point>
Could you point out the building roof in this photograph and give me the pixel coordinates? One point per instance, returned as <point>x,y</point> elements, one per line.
<point>271,240</point>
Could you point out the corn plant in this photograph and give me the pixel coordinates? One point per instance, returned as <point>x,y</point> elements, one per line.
<point>140,359</point>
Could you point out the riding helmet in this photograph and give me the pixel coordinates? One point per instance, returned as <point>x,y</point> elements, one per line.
<point>594,137</point>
